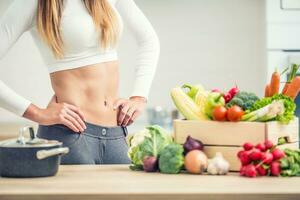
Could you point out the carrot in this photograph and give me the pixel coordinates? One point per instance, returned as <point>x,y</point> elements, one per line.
<point>267,90</point>
<point>286,86</point>
<point>275,83</point>
<point>294,88</point>
<point>292,74</point>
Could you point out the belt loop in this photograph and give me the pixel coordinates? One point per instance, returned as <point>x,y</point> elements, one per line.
<point>125,130</point>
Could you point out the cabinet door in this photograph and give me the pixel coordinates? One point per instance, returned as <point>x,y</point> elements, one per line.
<point>290,4</point>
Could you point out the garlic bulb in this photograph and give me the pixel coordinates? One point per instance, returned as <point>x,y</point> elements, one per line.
<point>218,165</point>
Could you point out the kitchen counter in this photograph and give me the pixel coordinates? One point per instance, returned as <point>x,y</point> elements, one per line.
<point>118,182</point>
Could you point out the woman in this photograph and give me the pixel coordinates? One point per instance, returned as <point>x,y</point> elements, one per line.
<point>77,39</point>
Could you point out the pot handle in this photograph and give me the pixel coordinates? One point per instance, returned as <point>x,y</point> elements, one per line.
<point>42,154</point>
<point>21,138</point>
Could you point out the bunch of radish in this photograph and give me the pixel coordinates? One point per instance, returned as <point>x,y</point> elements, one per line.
<point>260,160</point>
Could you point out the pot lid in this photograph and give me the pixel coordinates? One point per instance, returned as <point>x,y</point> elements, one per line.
<point>30,142</point>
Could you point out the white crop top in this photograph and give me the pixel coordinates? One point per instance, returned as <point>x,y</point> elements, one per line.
<point>81,43</point>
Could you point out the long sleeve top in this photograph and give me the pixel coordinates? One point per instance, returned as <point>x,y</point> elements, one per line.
<point>81,43</point>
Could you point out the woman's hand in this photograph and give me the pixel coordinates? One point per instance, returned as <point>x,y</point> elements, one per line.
<point>57,113</point>
<point>129,109</point>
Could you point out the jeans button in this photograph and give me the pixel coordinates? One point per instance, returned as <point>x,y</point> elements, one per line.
<point>103,131</point>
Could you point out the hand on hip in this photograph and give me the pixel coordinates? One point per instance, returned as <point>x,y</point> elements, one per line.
<point>129,109</point>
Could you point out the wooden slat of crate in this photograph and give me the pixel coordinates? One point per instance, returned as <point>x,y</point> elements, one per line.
<point>219,133</point>
<point>294,145</point>
<point>276,130</point>
<point>230,153</point>
<point>234,133</point>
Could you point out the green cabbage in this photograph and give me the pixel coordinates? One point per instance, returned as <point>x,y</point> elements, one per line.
<point>171,159</point>
<point>148,142</point>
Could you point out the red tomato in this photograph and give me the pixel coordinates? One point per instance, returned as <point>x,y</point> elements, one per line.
<point>220,113</point>
<point>235,113</point>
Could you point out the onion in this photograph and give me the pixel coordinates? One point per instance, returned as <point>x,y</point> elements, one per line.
<point>195,162</point>
<point>150,164</point>
<point>192,144</point>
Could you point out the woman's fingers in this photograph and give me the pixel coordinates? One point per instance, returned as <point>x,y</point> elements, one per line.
<point>63,113</point>
<point>77,118</point>
<point>128,116</point>
<point>133,117</point>
<point>129,110</point>
<point>122,113</point>
<point>76,110</point>
<point>119,103</point>
<point>74,116</point>
<point>70,125</point>
<point>74,122</point>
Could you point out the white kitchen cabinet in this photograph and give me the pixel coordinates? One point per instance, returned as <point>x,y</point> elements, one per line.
<point>290,4</point>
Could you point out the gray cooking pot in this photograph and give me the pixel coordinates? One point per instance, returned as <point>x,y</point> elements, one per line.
<point>30,157</point>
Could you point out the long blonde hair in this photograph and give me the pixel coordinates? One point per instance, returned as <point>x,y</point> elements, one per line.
<point>49,17</point>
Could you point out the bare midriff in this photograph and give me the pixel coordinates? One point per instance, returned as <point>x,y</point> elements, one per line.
<point>93,89</point>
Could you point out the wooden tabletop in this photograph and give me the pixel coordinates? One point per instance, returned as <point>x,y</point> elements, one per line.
<point>118,182</point>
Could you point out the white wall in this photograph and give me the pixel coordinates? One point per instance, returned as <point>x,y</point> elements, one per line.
<point>214,42</point>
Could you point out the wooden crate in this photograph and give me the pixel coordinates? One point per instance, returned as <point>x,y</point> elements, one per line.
<point>228,137</point>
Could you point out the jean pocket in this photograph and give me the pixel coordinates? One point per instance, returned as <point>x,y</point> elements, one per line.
<point>60,133</point>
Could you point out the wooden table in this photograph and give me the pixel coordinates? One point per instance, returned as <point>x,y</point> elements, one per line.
<point>118,182</point>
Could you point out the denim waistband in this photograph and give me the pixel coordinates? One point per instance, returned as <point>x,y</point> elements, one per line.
<point>98,131</point>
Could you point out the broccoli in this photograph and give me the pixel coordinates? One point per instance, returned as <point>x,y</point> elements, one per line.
<point>243,99</point>
<point>171,159</point>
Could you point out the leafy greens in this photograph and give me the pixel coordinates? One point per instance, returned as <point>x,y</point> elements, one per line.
<point>149,142</point>
<point>289,107</point>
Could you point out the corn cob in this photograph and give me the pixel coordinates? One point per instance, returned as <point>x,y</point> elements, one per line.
<point>186,106</point>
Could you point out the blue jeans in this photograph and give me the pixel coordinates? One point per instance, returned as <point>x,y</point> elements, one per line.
<point>97,145</point>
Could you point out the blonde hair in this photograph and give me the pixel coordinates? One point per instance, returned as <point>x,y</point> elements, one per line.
<point>49,18</point>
